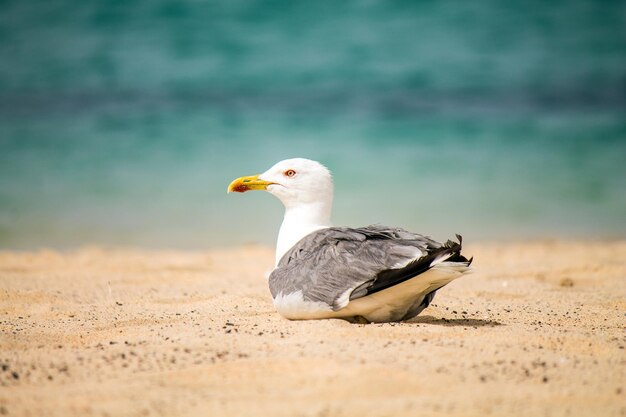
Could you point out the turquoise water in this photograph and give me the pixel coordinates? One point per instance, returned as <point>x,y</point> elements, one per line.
<point>121,123</point>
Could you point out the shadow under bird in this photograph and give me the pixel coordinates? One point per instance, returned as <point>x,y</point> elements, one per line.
<point>366,274</point>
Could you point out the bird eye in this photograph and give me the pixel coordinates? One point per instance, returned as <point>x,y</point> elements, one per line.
<point>290,173</point>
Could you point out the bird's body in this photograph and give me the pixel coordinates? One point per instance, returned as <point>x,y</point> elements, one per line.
<point>369,274</point>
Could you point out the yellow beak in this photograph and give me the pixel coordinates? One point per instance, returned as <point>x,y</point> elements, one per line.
<point>243,184</point>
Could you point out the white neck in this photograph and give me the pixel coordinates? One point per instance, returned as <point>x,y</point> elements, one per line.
<point>299,221</point>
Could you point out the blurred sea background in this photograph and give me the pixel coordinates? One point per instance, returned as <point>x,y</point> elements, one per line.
<point>122,122</point>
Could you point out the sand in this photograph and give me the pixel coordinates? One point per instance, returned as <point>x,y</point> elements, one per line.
<point>538,330</point>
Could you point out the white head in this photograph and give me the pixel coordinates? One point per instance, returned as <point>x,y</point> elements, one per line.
<point>305,188</point>
<point>295,182</point>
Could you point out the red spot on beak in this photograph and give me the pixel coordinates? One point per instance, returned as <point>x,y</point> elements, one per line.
<point>239,188</point>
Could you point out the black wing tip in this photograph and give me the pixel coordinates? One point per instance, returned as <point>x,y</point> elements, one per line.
<point>464,259</point>
<point>391,277</point>
<point>456,248</point>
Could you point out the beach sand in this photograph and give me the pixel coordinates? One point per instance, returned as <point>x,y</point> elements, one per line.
<point>537,330</point>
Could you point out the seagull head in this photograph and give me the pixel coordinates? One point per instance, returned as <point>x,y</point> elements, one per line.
<point>295,182</point>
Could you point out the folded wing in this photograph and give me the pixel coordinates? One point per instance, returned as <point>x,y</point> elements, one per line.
<point>336,265</point>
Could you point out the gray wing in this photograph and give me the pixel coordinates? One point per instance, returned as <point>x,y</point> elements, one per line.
<point>339,264</point>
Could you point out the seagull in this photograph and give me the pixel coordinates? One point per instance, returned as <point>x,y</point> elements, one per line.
<point>367,274</point>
